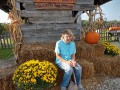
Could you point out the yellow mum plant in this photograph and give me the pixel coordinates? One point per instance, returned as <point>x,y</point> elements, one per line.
<point>35,75</point>
<point>111,49</point>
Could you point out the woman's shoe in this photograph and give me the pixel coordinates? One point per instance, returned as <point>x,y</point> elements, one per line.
<point>63,88</point>
<point>80,87</point>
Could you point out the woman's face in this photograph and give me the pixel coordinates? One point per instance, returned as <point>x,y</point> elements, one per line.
<point>67,38</point>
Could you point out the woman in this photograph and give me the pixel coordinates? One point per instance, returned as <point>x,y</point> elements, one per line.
<point>65,50</point>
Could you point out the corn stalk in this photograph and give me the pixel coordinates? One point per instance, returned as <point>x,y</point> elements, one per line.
<point>14,28</point>
<point>94,22</point>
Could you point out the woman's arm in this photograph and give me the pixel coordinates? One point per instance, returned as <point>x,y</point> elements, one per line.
<point>61,59</point>
<point>73,57</point>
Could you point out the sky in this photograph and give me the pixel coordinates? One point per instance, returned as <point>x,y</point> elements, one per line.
<point>4,17</point>
<point>110,9</point>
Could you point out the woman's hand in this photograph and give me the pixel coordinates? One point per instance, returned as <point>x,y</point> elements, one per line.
<point>68,62</point>
<point>72,63</point>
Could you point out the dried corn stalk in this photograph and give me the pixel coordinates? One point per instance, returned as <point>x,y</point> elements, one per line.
<point>15,30</point>
<point>95,23</point>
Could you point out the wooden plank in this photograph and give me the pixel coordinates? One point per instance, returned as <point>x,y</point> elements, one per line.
<point>54,6</point>
<point>77,7</point>
<point>43,13</point>
<point>51,20</point>
<point>42,36</point>
<point>49,27</point>
<point>83,7</point>
<point>47,32</point>
<point>77,1</point>
<point>18,6</point>
<point>28,40</point>
<point>85,2</point>
<point>55,1</point>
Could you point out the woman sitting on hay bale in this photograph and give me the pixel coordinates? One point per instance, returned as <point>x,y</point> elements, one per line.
<point>65,50</point>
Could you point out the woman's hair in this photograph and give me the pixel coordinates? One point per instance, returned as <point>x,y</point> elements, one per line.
<point>68,32</point>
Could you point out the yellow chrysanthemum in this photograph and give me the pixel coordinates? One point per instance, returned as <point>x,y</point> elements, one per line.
<point>31,73</point>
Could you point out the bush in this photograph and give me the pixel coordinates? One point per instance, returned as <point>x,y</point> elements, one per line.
<point>111,49</point>
<point>35,75</point>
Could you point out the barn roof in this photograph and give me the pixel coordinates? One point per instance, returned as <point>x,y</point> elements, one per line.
<point>5,6</point>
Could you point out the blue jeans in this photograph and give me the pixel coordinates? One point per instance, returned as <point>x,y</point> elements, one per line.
<point>68,70</point>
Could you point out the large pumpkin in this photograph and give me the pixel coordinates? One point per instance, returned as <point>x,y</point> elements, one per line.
<point>92,37</point>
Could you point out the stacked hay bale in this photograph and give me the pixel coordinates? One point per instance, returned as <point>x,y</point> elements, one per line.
<point>41,51</point>
<point>89,51</point>
<point>87,68</point>
<point>6,78</point>
<point>90,57</point>
<point>107,66</point>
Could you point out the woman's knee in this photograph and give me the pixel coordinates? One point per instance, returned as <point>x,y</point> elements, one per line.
<point>69,69</point>
<point>79,67</point>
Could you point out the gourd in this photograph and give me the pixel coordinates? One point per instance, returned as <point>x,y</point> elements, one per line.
<point>92,37</point>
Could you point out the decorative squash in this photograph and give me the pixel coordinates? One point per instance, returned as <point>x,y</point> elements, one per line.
<point>92,37</point>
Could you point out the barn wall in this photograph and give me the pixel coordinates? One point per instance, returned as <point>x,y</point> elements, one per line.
<point>47,24</point>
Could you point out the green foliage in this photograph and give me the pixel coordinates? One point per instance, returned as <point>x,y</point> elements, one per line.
<point>6,54</point>
<point>4,27</point>
<point>111,49</point>
<point>84,22</point>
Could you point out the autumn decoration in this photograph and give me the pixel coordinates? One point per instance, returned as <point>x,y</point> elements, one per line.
<point>92,37</point>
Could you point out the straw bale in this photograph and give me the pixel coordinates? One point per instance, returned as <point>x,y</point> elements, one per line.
<point>6,78</point>
<point>115,66</point>
<point>87,68</point>
<point>107,65</point>
<point>36,51</point>
<point>89,51</point>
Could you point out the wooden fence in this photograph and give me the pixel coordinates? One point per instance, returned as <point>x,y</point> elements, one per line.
<point>105,35</point>
<point>5,40</point>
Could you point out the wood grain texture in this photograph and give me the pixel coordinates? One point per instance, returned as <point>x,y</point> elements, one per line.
<point>76,7</point>
<point>47,32</point>
<point>43,13</point>
<point>55,1</point>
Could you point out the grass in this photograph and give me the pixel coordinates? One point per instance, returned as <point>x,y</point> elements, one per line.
<point>6,54</point>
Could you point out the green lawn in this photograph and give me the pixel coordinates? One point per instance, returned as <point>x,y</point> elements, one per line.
<point>6,54</point>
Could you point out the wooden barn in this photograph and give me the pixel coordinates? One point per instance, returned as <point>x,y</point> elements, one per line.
<point>38,21</point>
<point>45,20</point>
<point>37,24</point>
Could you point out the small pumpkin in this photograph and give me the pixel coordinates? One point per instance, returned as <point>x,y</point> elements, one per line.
<point>92,37</point>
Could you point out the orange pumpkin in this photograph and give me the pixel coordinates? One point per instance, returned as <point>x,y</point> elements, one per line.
<point>92,37</point>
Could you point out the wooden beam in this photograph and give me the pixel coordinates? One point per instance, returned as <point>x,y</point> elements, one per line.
<point>43,13</point>
<point>51,20</point>
<point>76,7</point>
<point>54,1</point>
<point>28,27</point>
<point>77,1</point>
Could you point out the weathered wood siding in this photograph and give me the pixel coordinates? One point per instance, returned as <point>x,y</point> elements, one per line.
<point>47,32</point>
<point>47,25</point>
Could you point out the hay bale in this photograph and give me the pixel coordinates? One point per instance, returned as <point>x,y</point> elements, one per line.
<point>36,51</point>
<point>107,65</point>
<point>87,68</point>
<point>89,51</point>
<point>6,78</point>
<point>115,68</point>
